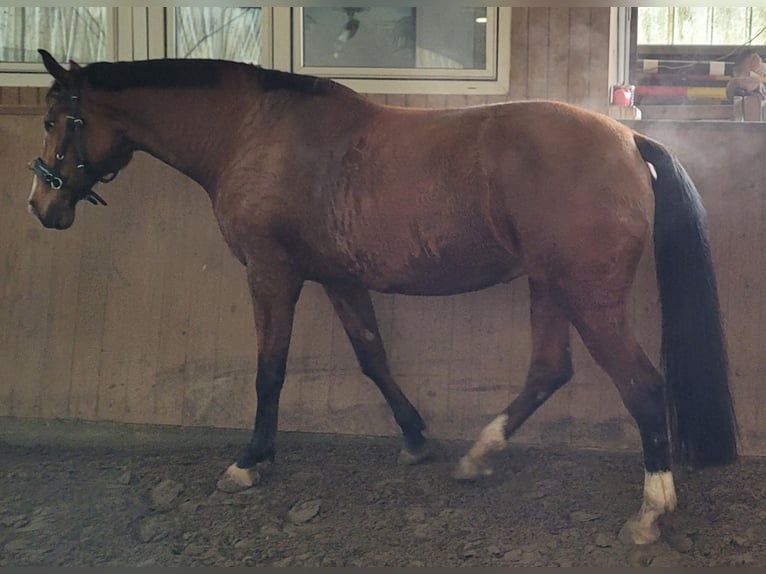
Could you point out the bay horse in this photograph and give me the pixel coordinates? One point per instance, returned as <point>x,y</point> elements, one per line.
<point>310,181</point>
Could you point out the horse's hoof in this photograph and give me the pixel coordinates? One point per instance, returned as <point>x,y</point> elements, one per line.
<point>410,457</point>
<point>470,469</point>
<point>633,532</point>
<point>236,479</point>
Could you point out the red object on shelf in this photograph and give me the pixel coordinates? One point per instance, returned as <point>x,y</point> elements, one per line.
<point>623,95</point>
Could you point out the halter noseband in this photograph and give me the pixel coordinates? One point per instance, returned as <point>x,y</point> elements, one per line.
<point>51,175</point>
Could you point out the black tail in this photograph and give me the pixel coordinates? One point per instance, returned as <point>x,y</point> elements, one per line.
<point>694,360</point>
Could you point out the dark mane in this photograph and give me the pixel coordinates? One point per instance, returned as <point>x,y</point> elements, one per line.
<point>193,73</point>
<point>154,74</point>
<point>279,80</point>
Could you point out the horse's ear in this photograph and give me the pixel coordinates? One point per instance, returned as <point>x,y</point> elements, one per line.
<point>55,69</point>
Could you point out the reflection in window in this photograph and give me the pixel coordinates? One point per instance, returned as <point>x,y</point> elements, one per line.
<point>419,38</point>
<point>79,34</point>
<point>716,25</point>
<point>219,33</point>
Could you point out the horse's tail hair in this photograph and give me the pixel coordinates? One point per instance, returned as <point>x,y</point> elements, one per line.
<point>694,361</point>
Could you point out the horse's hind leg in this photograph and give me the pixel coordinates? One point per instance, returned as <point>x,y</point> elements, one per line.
<point>550,368</point>
<point>354,308</point>
<point>606,333</point>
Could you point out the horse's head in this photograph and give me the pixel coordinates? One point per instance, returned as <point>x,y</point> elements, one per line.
<point>83,145</point>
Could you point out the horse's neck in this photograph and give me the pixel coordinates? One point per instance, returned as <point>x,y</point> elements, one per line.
<point>182,128</point>
<point>201,133</point>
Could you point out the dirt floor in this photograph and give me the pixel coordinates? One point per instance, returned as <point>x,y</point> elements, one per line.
<point>95,494</point>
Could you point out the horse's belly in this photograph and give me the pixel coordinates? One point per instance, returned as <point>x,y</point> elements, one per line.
<point>435,275</point>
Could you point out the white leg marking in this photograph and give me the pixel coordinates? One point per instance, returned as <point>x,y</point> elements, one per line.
<point>659,491</point>
<point>652,170</point>
<point>236,479</point>
<point>659,498</point>
<point>491,439</point>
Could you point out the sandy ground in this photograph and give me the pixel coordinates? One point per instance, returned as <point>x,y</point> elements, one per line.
<point>99,494</point>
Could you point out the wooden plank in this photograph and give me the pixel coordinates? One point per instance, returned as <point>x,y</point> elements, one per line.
<point>236,351</point>
<point>29,316</point>
<point>306,394</point>
<point>418,350</point>
<point>484,358</point>
<point>578,82</point>
<point>558,54</point>
<point>132,311</point>
<point>416,101</point>
<point>92,297</point>
<point>598,85</point>
<point>206,250</point>
<point>457,101</point>
<point>29,97</point>
<point>60,344</point>
<point>519,81</point>
<point>9,96</point>
<point>179,209</point>
<point>495,99</point>
<point>148,276</point>
<point>396,100</point>
<point>377,98</point>
<point>539,37</point>
<point>436,101</point>
<point>475,99</point>
<point>16,255</point>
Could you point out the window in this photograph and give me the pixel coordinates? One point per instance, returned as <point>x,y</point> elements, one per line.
<point>83,34</point>
<point>374,49</point>
<point>711,26</point>
<point>448,43</point>
<point>221,33</point>
<point>685,55</point>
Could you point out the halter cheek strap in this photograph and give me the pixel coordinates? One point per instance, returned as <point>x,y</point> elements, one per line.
<point>51,175</point>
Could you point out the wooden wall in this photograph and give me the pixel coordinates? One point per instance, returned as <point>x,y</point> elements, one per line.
<point>140,314</point>
<point>556,53</point>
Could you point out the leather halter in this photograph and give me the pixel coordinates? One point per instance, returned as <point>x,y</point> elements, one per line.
<point>51,175</point>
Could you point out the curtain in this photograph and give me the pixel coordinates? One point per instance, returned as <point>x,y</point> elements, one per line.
<point>222,33</point>
<point>80,33</point>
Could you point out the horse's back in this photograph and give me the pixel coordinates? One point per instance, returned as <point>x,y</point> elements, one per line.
<point>447,201</point>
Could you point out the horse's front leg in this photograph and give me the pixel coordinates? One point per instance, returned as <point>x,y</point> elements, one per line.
<point>275,293</point>
<point>354,307</point>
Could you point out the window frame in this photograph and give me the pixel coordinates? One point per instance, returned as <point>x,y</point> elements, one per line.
<point>33,74</point>
<point>147,32</point>
<point>492,79</point>
<point>691,54</point>
<point>267,47</point>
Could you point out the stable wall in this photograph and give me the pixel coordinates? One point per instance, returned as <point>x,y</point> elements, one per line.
<point>556,53</point>
<point>140,314</point>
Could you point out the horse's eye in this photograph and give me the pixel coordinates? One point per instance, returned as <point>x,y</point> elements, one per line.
<point>48,125</point>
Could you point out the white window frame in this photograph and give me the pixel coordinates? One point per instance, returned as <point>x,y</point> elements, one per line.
<point>134,34</point>
<point>267,49</point>
<point>494,79</point>
<point>139,33</point>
